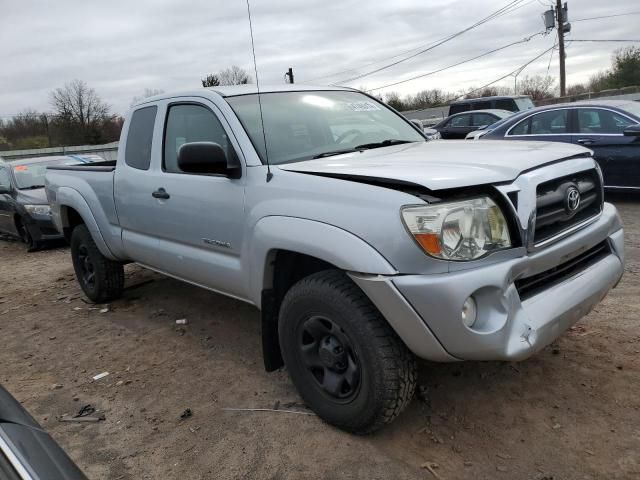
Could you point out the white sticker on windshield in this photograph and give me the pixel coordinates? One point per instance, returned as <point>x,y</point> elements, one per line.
<point>363,106</point>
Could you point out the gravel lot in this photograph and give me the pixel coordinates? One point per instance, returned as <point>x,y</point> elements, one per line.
<point>571,412</point>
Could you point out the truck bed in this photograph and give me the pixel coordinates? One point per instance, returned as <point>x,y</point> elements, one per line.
<point>106,166</point>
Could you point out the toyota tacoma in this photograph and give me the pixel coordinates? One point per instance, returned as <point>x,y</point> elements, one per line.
<point>363,245</point>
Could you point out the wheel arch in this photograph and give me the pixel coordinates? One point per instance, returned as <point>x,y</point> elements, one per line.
<point>287,249</point>
<point>73,210</point>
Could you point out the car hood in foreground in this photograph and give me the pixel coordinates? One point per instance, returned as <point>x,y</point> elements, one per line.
<point>443,165</point>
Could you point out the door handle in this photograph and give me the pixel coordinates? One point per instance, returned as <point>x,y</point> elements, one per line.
<point>161,193</point>
<point>586,141</point>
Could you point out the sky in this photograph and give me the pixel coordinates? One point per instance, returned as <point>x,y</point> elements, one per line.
<point>122,47</point>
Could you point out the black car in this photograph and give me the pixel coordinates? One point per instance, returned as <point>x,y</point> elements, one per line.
<point>27,451</point>
<point>459,125</point>
<point>24,209</point>
<point>611,128</point>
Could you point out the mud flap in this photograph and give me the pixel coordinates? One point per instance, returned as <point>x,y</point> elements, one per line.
<point>271,353</point>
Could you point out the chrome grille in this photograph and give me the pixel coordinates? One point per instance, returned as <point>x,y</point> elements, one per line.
<point>554,212</point>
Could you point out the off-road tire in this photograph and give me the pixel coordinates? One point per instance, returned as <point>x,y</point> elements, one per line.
<point>387,369</point>
<point>108,279</point>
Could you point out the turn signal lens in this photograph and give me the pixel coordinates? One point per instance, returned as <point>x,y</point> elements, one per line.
<point>462,231</point>
<point>429,242</point>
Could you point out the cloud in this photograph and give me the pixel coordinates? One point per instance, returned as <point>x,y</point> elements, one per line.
<point>122,47</point>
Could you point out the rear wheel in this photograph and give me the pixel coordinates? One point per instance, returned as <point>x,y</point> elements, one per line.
<point>101,279</point>
<point>345,360</point>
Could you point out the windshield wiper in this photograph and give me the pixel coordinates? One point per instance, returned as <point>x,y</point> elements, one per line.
<point>364,146</point>
<point>384,143</point>
<point>32,187</point>
<point>336,152</point>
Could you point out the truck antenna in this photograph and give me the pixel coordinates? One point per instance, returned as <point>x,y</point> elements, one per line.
<point>255,68</point>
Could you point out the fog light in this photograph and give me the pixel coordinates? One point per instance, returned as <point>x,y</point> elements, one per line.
<point>469,312</point>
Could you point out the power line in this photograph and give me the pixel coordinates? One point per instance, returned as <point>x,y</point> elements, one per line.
<point>486,19</point>
<point>605,16</point>
<point>601,40</point>
<point>500,12</point>
<point>550,57</point>
<point>518,71</point>
<point>524,40</point>
<point>372,63</point>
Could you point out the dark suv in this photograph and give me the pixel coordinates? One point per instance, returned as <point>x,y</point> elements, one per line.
<point>516,103</point>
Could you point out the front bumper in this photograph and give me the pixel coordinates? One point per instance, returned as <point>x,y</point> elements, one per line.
<point>425,310</point>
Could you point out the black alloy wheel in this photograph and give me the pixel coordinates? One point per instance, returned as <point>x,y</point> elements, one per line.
<point>329,356</point>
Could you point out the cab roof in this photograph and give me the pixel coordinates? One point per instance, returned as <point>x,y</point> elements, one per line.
<point>248,89</point>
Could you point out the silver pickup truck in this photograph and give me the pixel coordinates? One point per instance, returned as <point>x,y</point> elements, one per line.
<point>362,244</point>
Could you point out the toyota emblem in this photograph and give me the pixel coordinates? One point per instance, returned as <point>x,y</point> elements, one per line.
<point>572,200</point>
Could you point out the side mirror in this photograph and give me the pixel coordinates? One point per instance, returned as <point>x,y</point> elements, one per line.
<point>632,131</point>
<point>207,158</point>
<point>5,189</point>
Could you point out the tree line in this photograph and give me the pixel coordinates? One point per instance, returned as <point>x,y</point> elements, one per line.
<point>79,116</point>
<point>624,72</point>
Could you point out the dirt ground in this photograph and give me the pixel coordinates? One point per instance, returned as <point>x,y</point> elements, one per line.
<point>570,412</point>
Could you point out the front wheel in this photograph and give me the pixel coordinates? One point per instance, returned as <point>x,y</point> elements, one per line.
<point>345,360</point>
<point>101,279</point>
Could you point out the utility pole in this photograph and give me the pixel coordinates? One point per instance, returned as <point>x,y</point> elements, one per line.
<point>289,75</point>
<point>560,22</point>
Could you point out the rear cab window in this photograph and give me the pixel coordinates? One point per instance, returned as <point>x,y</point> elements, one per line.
<point>139,138</point>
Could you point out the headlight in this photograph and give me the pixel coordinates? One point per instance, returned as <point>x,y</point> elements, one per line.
<point>436,136</point>
<point>38,209</point>
<point>464,230</point>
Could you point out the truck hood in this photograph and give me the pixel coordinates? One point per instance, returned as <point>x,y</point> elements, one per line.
<point>444,164</point>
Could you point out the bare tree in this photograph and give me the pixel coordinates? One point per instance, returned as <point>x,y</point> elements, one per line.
<point>148,92</point>
<point>79,111</point>
<point>234,75</point>
<point>394,101</point>
<point>79,104</point>
<point>210,80</point>
<point>537,87</point>
<point>577,89</point>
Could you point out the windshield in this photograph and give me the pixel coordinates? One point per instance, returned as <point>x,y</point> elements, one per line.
<point>305,125</point>
<point>524,103</point>
<point>32,175</point>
